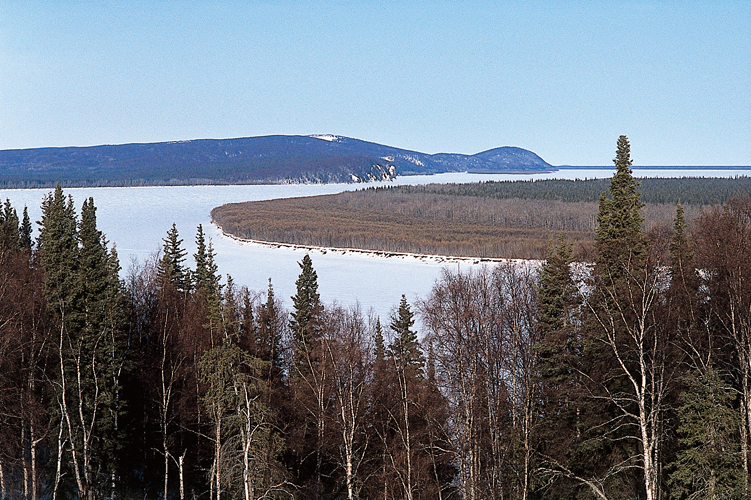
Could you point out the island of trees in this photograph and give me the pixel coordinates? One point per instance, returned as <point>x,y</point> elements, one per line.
<point>626,377</point>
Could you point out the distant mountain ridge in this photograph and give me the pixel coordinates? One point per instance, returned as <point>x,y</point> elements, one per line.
<point>251,160</point>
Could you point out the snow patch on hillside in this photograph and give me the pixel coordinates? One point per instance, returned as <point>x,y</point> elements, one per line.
<point>413,159</point>
<point>326,137</point>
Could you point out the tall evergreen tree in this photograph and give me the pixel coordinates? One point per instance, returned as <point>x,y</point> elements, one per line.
<point>405,348</point>
<point>406,419</point>
<point>85,300</point>
<point>626,356</point>
<point>9,230</point>
<point>206,284</point>
<point>379,349</point>
<point>310,383</point>
<point>305,318</point>
<point>557,295</point>
<point>171,267</point>
<point>58,253</point>
<point>619,237</point>
<point>25,230</point>
<point>558,368</point>
<point>206,276</point>
<point>101,341</point>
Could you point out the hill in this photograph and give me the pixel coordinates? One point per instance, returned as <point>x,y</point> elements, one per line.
<point>251,160</point>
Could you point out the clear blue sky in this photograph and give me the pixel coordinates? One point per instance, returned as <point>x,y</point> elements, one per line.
<point>561,78</point>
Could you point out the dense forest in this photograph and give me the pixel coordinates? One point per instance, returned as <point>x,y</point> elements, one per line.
<point>626,378</point>
<point>514,219</point>
<point>694,191</point>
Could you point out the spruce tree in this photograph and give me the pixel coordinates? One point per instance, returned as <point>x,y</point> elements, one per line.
<point>405,348</point>
<point>306,302</point>
<point>206,276</point>
<point>558,363</point>
<point>9,231</point>
<point>557,295</point>
<point>379,350</point>
<point>268,341</point>
<point>206,283</point>
<point>25,230</point>
<point>619,237</point>
<point>101,339</point>
<point>709,461</point>
<point>171,266</point>
<point>624,350</point>
<point>58,253</point>
<point>86,304</point>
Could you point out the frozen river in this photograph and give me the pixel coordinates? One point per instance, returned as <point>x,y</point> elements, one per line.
<point>136,220</point>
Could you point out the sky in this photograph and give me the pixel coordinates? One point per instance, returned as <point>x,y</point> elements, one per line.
<point>560,78</point>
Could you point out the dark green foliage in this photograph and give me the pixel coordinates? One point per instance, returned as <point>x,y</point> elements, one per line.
<point>304,321</point>
<point>268,333</point>
<point>171,266</point>
<point>58,252</point>
<point>695,191</point>
<point>9,231</point>
<point>246,446</point>
<point>101,318</point>
<point>25,231</point>
<point>613,341</point>
<point>709,463</point>
<point>556,294</point>
<point>379,350</point>
<point>206,284</point>
<point>559,363</point>
<point>549,411</point>
<point>619,237</point>
<point>405,348</point>
<point>206,277</point>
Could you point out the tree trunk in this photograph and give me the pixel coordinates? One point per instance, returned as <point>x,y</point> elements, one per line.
<point>217,456</point>
<point>64,407</point>
<point>166,464</point>
<point>406,438</point>
<point>2,481</point>
<point>180,468</point>
<point>59,466</point>
<point>34,443</point>
<point>25,462</point>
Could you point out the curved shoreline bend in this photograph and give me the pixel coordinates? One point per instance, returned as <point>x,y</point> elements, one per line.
<point>439,259</point>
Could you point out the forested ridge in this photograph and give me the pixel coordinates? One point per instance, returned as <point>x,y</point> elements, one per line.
<point>275,159</point>
<point>625,378</point>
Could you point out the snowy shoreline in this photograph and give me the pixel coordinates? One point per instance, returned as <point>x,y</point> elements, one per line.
<point>437,259</point>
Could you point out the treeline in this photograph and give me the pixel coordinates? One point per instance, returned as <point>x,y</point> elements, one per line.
<point>429,223</point>
<point>624,379</point>
<point>694,191</point>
